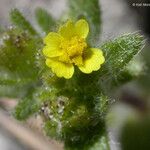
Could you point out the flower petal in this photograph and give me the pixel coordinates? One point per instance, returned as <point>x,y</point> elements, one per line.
<point>60,69</point>
<point>51,52</point>
<point>82,28</point>
<point>67,30</point>
<point>52,39</point>
<point>92,61</point>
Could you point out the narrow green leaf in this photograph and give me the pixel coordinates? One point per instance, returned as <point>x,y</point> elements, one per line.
<point>26,106</point>
<point>45,20</point>
<point>10,78</point>
<point>118,53</point>
<point>1,29</point>
<point>13,91</point>
<point>20,21</point>
<point>90,10</point>
<point>17,56</point>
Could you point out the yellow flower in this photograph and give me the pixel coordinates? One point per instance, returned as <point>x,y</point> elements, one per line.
<point>68,47</point>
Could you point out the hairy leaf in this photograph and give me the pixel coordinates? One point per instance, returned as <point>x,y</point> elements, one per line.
<point>17,56</point>
<point>27,106</point>
<point>20,21</point>
<point>90,10</point>
<point>44,19</point>
<point>12,91</point>
<point>118,53</point>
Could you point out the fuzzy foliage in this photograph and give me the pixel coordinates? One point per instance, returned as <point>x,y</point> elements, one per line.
<point>118,53</point>
<point>89,10</point>
<point>45,20</point>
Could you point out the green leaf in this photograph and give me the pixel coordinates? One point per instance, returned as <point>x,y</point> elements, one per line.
<point>45,20</point>
<point>97,143</point>
<point>90,10</point>
<point>27,106</point>
<point>18,69</point>
<point>101,144</point>
<point>18,56</point>
<point>10,78</point>
<point>118,53</point>
<point>1,29</point>
<point>12,91</point>
<point>20,21</point>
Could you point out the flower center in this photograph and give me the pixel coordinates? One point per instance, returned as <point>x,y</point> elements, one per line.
<point>72,50</point>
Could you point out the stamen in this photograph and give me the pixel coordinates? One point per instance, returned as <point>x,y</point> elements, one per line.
<point>72,49</point>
